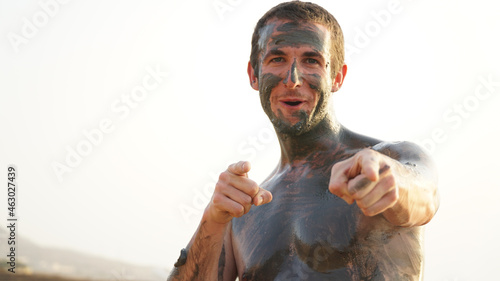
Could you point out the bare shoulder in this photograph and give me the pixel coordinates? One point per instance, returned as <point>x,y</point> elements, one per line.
<point>404,151</point>
<point>411,156</point>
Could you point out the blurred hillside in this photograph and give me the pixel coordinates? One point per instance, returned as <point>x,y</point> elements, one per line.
<point>34,262</point>
<point>7,276</point>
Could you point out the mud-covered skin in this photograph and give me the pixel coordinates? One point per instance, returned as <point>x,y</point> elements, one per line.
<point>278,35</point>
<point>307,233</point>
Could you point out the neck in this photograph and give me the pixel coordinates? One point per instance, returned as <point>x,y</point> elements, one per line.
<point>295,150</point>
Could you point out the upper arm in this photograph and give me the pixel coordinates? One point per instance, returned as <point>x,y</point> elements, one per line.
<point>227,265</point>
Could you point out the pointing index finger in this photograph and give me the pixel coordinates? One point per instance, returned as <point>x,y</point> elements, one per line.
<point>240,169</point>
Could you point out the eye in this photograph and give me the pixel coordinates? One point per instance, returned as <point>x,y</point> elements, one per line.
<point>277,59</point>
<point>312,61</point>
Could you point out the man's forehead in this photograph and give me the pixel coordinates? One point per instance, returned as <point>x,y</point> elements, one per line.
<point>279,33</point>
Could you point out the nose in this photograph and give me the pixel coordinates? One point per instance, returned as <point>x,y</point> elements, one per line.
<point>293,77</point>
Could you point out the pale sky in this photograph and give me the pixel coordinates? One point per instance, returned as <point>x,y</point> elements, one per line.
<point>119,115</point>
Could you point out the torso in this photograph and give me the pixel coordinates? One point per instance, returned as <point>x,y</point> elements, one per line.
<point>307,233</point>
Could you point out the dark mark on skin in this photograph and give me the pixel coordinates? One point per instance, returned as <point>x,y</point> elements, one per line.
<point>267,83</point>
<point>411,164</point>
<point>384,169</point>
<point>286,79</point>
<point>364,182</point>
<point>292,73</point>
<point>295,35</point>
<point>222,263</point>
<point>264,34</point>
<point>316,81</point>
<point>360,185</point>
<point>196,272</point>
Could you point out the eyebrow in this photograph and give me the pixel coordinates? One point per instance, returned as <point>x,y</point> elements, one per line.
<point>312,54</point>
<point>274,52</point>
<point>278,52</point>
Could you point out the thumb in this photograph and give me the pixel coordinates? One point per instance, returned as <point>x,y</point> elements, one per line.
<point>262,197</point>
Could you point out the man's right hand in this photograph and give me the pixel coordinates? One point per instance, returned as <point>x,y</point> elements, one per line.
<point>235,193</point>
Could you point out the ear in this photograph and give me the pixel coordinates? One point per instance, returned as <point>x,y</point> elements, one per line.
<point>254,82</point>
<point>339,79</point>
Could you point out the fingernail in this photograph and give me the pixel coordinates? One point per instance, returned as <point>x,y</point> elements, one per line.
<point>260,200</point>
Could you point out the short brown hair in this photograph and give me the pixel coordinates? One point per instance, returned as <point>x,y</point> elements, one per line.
<point>302,12</point>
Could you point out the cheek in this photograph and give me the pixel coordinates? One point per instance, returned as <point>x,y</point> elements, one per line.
<point>268,82</point>
<point>318,83</point>
<point>322,87</point>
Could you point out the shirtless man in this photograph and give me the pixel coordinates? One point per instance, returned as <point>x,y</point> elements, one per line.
<point>339,205</point>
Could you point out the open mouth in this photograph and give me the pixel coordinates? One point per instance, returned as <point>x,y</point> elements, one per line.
<point>293,103</point>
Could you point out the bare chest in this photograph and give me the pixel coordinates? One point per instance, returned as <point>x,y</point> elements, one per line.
<point>311,234</point>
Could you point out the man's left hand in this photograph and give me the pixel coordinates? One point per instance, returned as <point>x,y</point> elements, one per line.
<point>367,179</point>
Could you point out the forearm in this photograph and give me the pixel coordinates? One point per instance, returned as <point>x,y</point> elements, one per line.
<point>203,253</point>
<point>418,199</point>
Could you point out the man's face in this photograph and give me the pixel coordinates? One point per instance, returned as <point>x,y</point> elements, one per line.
<point>294,76</point>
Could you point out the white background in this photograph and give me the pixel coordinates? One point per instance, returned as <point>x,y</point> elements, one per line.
<point>138,193</point>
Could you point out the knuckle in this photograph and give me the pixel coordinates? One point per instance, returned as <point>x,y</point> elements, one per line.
<point>390,180</point>
<point>246,208</point>
<point>338,165</point>
<point>219,187</point>
<point>369,154</point>
<point>365,151</point>
<point>361,205</point>
<point>217,199</point>
<point>254,188</point>
<point>224,177</point>
<point>393,197</point>
<point>239,211</point>
<point>335,189</point>
<point>247,200</point>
